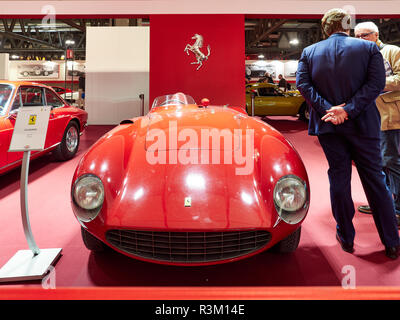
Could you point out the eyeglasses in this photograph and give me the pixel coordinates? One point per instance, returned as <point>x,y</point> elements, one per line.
<point>363,35</point>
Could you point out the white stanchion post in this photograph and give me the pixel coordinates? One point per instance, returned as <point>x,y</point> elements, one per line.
<point>24,203</point>
<point>253,95</point>
<point>31,264</point>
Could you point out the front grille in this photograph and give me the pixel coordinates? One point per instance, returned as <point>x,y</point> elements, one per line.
<point>188,247</point>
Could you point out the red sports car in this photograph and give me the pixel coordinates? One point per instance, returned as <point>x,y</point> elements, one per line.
<point>61,90</point>
<point>66,123</point>
<point>191,184</point>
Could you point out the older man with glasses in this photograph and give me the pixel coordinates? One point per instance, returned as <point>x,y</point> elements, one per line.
<point>388,105</point>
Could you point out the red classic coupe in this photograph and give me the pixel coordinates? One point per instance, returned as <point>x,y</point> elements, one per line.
<point>66,122</point>
<point>191,184</point>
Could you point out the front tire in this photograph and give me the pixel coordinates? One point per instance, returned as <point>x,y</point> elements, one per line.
<point>290,243</point>
<point>304,112</point>
<point>91,242</point>
<point>69,144</point>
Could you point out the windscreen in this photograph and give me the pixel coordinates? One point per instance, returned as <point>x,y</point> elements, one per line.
<point>5,94</point>
<point>173,99</point>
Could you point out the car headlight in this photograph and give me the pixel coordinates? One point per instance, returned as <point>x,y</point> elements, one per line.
<point>88,197</point>
<point>291,199</point>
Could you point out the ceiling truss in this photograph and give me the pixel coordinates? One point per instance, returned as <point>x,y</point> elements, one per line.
<point>31,39</point>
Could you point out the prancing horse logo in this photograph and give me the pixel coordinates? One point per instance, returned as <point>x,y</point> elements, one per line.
<point>195,48</point>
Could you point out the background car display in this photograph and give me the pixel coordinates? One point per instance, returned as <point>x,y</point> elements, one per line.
<point>66,122</point>
<point>75,73</point>
<point>47,69</point>
<point>70,96</point>
<point>257,70</point>
<point>61,90</point>
<point>179,203</point>
<point>67,94</point>
<point>272,101</point>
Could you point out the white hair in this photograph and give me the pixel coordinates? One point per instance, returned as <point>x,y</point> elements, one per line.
<point>369,25</point>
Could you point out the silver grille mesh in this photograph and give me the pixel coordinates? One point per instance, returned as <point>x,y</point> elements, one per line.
<point>188,247</point>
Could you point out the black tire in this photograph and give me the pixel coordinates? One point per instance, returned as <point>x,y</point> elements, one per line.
<point>304,112</point>
<point>289,244</point>
<point>91,242</point>
<point>69,144</point>
<point>248,110</point>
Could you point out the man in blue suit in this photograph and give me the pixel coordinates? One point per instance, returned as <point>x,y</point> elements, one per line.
<point>340,78</point>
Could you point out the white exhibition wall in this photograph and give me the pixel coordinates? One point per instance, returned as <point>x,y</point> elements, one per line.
<point>117,72</point>
<point>4,66</point>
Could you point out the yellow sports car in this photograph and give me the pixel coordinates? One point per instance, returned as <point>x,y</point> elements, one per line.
<point>269,100</point>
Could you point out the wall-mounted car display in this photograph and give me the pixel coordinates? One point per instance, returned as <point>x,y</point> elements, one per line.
<point>66,122</point>
<point>257,70</point>
<point>75,73</point>
<point>75,69</point>
<point>29,70</point>
<point>191,184</point>
<point>269,100</point>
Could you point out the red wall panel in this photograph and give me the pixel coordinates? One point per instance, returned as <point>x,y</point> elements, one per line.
<point>220,79</point>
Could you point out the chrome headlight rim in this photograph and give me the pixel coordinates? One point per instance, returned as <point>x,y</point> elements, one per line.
<point>84,214</point>
<point>297,215</point>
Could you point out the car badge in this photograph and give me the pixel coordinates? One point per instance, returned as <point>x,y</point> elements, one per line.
<point>188,202</point>
<point>32,119</point>
<point>195,48</point>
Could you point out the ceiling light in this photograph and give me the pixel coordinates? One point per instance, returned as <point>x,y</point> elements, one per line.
<point>261,56</point>
<point>294,42</point>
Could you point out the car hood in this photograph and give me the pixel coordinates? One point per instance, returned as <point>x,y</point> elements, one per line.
<point>184,127</point>
<point>187,197</point>
<point>143,192</point>
<point>177,189</point>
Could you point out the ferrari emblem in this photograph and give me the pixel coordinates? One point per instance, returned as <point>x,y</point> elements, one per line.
<point>188,202</point>
<point>32,119</point>
<point>195,48</point>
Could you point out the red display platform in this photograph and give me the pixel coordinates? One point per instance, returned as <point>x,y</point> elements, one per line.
<point>205,293</point>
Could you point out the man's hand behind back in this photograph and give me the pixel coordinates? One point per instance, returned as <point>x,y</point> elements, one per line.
<point>336,115</point>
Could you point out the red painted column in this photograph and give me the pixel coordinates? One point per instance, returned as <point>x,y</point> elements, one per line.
<point>220,78</point>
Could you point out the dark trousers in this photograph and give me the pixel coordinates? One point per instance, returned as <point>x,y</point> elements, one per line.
<point>390,141</point>
<point>340,151</point>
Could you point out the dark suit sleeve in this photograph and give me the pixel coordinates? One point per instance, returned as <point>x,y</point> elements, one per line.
<point>306,88</point>
<point>370,90</point>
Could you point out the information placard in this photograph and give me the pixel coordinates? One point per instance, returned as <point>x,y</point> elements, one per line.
<point>30,129</point>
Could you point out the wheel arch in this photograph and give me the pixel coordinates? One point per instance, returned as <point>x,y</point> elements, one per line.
<point>76,120</point>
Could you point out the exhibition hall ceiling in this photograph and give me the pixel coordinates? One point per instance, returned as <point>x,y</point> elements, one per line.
<point>286,38</point>
<point>271,38</point>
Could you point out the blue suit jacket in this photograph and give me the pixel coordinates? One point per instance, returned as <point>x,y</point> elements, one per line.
<point>342,69</point>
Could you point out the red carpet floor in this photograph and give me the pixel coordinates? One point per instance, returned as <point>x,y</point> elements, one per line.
<point>318,261</point>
